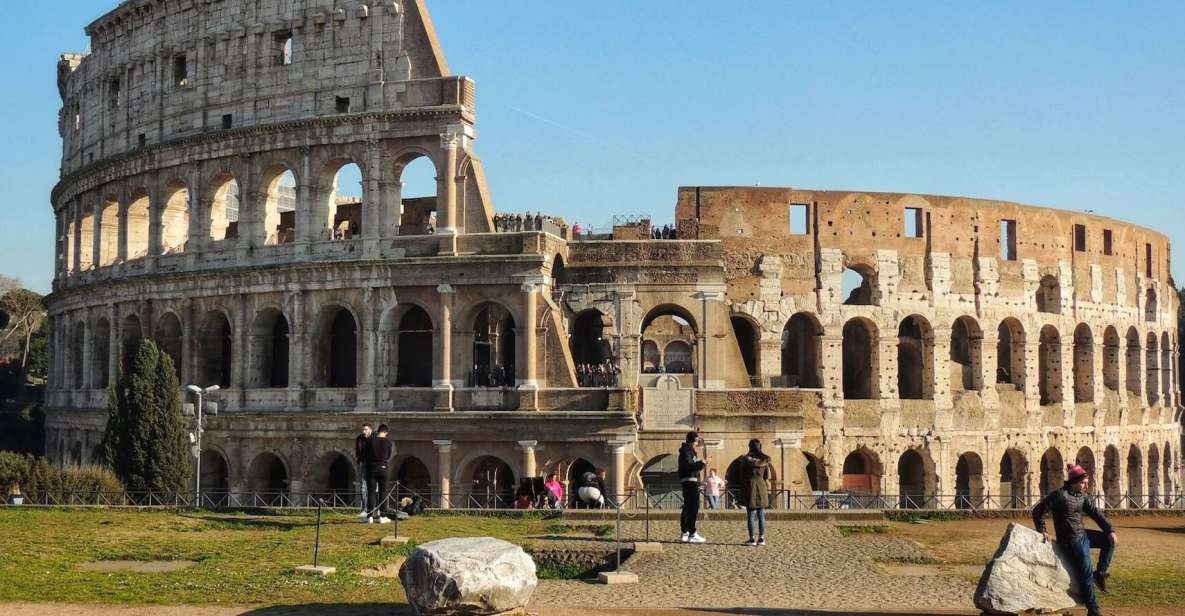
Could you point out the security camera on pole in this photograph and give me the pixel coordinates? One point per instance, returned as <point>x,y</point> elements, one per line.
<point>195,437</point>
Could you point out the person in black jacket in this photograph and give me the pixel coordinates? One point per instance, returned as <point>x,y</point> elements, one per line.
<point>377,456</point>
<point>360,460</point>
<point>690,466</point>
<point>1067,506</point>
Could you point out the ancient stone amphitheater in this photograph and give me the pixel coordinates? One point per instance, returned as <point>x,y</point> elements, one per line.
<point>937,351</point>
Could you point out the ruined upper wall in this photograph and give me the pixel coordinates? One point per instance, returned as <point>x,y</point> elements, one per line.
<point>753,222</point>
<point>165,69</point>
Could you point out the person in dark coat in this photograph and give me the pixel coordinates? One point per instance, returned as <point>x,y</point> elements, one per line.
<point>1067,506</point>
<point>360,460</point>
<point>377,456</point>
<point>690,467</point>
<point>754,493</point>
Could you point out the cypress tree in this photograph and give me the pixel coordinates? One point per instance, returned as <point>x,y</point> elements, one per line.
<point>145,441</point>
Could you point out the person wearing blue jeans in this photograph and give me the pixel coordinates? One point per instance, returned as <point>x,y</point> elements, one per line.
<point>1066,506</point>
<point>754,491</point>
<point>360,458</point>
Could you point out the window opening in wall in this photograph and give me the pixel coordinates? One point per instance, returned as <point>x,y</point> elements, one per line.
<point>180,70</point>
<point>1080,238</point>
<point>1108,248</point>
<point>282,49</point>
<point>345,206</point>
<point>418,196</point>
<point>914,227</point>
<point>1148,260</point>
<point>77,111</point>
<point>856,287</point>
<point>1008,240</point>
<point>280,207</point>
<point>343,104</point>
<point>800,223</point>
<point>113,94</point>
<point>142,139</point>
<point>228,121</point>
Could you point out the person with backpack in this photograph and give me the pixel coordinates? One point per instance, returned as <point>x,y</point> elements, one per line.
<point>690,466</point>
<point>754,493</point>
<point>591,491</point>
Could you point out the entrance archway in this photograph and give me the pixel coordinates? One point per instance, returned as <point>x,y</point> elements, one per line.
<point>660,478</point>
<point>1052,475</point>
<point>493,484</point>
<point>969,481</point>
<point>862,472</point>
<point>267,479</point>
<point>911,471</point>
<point>1014,469</point>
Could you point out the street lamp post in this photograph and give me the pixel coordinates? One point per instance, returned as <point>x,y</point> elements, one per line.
<point>196,437</point>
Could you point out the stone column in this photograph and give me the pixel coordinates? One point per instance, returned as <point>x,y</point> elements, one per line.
<point>939,375</point>
<point>76,237</point>
<point>310,217</point>
<point>528,364</point>
<point>444,471</point>
<point>885,368</point>
<point>770,360</point>
<point>87,350</point>
<point>122,243</point>
<point>1121,370</point>
<point>1033,373</point>
<point>372,198</point>
<point>368,334</point>
<point>446,200</point>
<point>112,346</point>
<point>831,366</point>
<point>618,450</point>
<point>528,449</point>
<point>789,461</point>
<point>298,349</point>
<point>442,380</point>
<point>708,348</point>
<point>1098,379</point>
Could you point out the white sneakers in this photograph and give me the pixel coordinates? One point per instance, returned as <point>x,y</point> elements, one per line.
<point>694,538</point>
<point>683,538</point>
<point>369,520</point>
<point>384,520</point>
<point>362,514</point>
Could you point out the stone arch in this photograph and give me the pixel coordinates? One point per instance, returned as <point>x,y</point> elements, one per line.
<point>214,350</point>
<point>1152,368</point>
<point>137,222</point>
<point>129,340</point>
<point>1135,476</point>
<point>415,349</point>
<point>1049,295</point>
<point>677,358</point>
<point>332,477</point>
<point>279,195</point>
<point>495,337</point>
<point>858,285</point>
<point>1166,368</point>
<point>816,473</point>
<point>1167,474</point>
<point>108,231</point>
<point>860,359</point>
<point>270,346</point>
<point>1133,355</point>
<point>1052,471</point>
<point>966,355</point>
<point>86,236</point>
<point>969,483</point>
<point>100,354</point>
<point>418,182</point>
<point>916,479</point>
<point>170,341</point>
<point>412,475</point>
<point>336,351</point>
<point>802,352</point>
<point>77,354</point>
<point>1112,482</point>
<point>660,478</point>
<point>1153,489</point>
<point>1083,364</point>
<point>587,341</point>
<point>915,359</point>
<point>1014,472</point>
<point>492,484</point>
<point>215,477</point>
<point>668,323</point>
<point>174,219</point>
<point>651,357</point>
<point>862,471</point>
<point>748,336</point>
<point>1111,359</point>
<point>1010,353</point>
<point>343,211</point>
<point>268,477</point>
<point>76,458</point>
<point>1049,362</point>
<point>225,199</point>
<point>1085,458</point>
<point>1150,306</point>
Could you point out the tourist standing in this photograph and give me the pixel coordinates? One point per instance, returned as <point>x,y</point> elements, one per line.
<point>1067,505</point>
<point>555,491</point>
<point>690,466</point>
<point>713,485</point>
<point>360,459</point>
<point>378,456</point>
<point>755,495</point>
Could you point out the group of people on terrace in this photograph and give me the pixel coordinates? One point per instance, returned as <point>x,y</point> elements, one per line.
<point>512,223</point>
<point>604,374</point>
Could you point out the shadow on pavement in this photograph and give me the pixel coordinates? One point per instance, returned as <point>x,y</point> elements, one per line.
<point>334,609</point>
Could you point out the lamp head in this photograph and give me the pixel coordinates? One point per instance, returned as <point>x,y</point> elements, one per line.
<point>194,389</point>
<point>213,388</point>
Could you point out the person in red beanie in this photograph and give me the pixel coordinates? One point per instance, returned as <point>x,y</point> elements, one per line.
<point>1067,505</point>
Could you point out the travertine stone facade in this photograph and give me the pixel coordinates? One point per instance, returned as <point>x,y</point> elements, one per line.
<point>940,348</point>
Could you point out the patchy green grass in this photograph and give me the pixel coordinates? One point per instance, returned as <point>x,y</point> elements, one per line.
<point>241,559</point>
<point>861,529</point>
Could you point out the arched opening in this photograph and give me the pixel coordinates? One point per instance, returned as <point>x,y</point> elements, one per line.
<point>1153,477</point>
<point>862,472</point>
<point>1049,362</point>
<point>577,469</point>
<point>859,359</point>
<point>493,484</point>
<point>129,340</point>
<point>660,478</point>
<point>1150,306</point>
<point>174,218</point>
<point>169,341</point>
<point>77,350</point>
<point>1010,353</point>
<point>493,347</point>
<point>1168,473</point>
<point>67,241</point>
<point>1112,482</point>
<point>215,479</point>
<point>588,345</point>
<point>559,273</point>
<point>338,348</point>
<point>333,479</point>
<point>76,453</point>
<point>137,224</point>
<point>802,352</point>
<point>915,359</point>
<point>224,208</point>
<point>108,232</point>
<point>1049,295</point>
<point>969,481</point>
<point>267,478</point>
<point>1052,473</point>
<point>1085,459</point>
<point>1135,477</point>
<point>415,349</point>
<point>1133,354</point>
<point>214,351</point>
<point>1166,369</point>
<point>279,206</point>
<point>1014,469</point>
<point>269,349</point>
<point>344,205</point>
<point>413,476</point>
<point>86,238</point>
<point>417,195</point>
<point>746,336</point>
<point>100,354</point>
<point>1152,377</point>
<point>816,473</point>
<point>911,471</point>
<point>1111,358</point>
<point>665,326</point>
<point>966,355</point>
<point>857,285</point>
<point>651,358</point>
<point>1083,364</point>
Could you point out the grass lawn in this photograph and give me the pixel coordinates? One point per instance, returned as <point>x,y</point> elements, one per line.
<point>241,559</point>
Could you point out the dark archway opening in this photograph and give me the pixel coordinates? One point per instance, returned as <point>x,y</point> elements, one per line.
<point>746,337</point>
<point>802,350</point>
<point>493,348</point>
<point>493,484</point>
<point>415,349</point>
<point>859,351</point>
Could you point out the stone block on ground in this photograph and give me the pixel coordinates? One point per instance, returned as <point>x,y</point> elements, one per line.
<point>1026,574</point>
<point>321,571</point>
<point>468,575</point>
<point>617,577</point>
<point>647,547</point>
<point>391,540</point>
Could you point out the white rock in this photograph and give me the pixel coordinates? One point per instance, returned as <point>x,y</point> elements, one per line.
<point>468,575</point>
<point>1025,574</point>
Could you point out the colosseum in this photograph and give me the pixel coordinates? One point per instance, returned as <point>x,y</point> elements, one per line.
<point>937,351</point>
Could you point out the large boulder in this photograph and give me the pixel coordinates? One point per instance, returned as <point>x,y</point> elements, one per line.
<point>1025,574</point>
<point>468,575</point>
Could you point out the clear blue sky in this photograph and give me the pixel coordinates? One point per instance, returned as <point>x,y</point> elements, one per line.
<point>589,110</point>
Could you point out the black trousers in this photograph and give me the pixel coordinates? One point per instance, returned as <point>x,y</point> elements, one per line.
<point>376,489</point>
<point>690,507</point>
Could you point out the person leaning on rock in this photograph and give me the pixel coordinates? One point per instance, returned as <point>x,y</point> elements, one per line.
<point>1067,506</point>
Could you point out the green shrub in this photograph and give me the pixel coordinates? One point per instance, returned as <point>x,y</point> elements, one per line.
<point>39,480</point>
